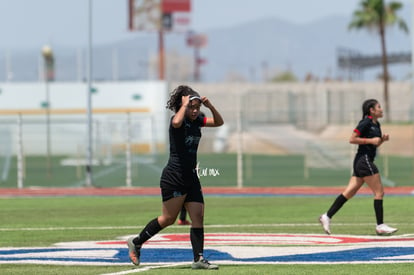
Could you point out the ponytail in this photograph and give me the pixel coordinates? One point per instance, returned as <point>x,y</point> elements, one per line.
<point>367,105</point>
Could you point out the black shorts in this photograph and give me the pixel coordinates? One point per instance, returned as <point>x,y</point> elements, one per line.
<point>364,167</point>
<point>174,184</point>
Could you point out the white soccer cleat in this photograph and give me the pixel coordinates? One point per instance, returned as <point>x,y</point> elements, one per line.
<point>384,229</point>
<point>325,222</point>
<point>203,264</point>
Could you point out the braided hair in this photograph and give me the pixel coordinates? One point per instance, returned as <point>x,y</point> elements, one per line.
<point>175,101</point>
<point>367,105</point>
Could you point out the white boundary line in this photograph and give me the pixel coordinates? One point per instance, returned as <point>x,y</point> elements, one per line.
<point>142,269</point>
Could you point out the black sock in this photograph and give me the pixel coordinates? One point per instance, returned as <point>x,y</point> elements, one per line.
<point>183,214</point>
<point>338,203</point>
<point>197,242</point>
<point>379,211</point>
<point>152,228</point>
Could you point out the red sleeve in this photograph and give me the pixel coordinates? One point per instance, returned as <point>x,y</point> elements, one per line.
<point>204,121</point>
<point>357,131</point>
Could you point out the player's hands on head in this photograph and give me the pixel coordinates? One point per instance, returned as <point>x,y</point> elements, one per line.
<point>185,99</point>
<point>206,102</point>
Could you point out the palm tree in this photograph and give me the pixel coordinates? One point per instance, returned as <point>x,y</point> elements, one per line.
<point>376,15</point>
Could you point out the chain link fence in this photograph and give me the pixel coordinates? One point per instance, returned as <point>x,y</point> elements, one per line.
<point>274,135</point>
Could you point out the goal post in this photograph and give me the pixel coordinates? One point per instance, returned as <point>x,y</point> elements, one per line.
<point>327,155</point>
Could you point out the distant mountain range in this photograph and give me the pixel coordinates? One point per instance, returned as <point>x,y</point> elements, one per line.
<point>249,52</point>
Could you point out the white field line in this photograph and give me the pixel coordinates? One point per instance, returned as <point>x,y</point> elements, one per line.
<point>142,269</point>
<point>180,226</point>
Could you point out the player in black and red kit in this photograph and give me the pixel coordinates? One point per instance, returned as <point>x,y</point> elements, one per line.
<point>369,137</point>
<point>180,185</point>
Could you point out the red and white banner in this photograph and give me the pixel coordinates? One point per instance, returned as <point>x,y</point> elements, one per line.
<point>152,15</point>
<point>176,6</point>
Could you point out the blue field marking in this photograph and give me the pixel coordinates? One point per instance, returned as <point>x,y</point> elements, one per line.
<point>352,255</point>
<point>232,248</point>
<point>184,255</point>
<point>374,254</point>
<point>153,255</point>
<point>14,255</point>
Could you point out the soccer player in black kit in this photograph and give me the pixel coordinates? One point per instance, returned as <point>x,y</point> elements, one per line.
<point>369,137</point>
<point>180,185</point>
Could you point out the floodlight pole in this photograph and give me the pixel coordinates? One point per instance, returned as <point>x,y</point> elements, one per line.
<point>49,173</point>
<point>48,76</point>
<point>239,142</point>
<point>20,166</point>
<point>411,114</point>
<point>412,62</point>
<point>89,100</point>
<point>161,54</point>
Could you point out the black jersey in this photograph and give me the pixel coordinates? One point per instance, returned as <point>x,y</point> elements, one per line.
<point>368,129</point>
<point>184,145</point>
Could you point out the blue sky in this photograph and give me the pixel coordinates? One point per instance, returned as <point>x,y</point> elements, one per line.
<point>33,23</point>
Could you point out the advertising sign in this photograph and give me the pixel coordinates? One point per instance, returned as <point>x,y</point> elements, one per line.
<point>152,15</point>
